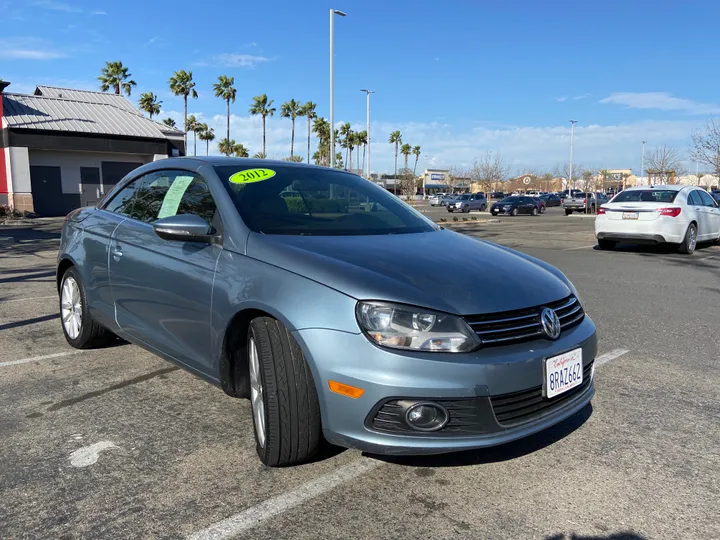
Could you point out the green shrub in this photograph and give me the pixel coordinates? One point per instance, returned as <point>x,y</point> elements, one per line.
<point>474,218</point>
<point>443,219</point>
<point>296,205</point>
<point>455,219</point>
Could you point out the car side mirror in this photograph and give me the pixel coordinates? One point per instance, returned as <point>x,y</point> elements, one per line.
<point>184,228</point>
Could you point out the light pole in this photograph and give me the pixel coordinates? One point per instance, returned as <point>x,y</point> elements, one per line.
<point>642,163</point>
<point>333,12</point>
<point>572,137</point>
<point>367,161</point>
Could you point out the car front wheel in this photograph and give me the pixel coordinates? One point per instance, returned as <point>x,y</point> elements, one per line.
<point>534,211</point>
<point>285,407</point>
<point>80,329</point>
<point>514,212</point>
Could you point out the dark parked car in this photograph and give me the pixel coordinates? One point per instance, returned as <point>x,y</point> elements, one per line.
<point>514,205</point>
<point>540,204</point>
<point>716,195</point>
<point>551,199</point>
<point>497,195</point>
<point>325,309</point>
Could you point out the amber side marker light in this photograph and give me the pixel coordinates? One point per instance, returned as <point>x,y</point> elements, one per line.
<point>345,389</point>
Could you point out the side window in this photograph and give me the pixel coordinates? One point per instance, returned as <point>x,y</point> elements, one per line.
<point>693,198</point>
<point>169,193</point>
<point>122,202</point>
<point>706,200</point>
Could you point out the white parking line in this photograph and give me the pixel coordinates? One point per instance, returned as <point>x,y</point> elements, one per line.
<point>608,356</point>
<point>38,358</point>
<point>581,247</point>
<point>255,515</point>
<point>29,299</point>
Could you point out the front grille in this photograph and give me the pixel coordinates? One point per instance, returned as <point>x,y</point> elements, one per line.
<point>523,324</point>
<point>520,407</point>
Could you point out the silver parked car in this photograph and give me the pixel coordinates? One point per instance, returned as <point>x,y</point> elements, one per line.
<point>315,294</point>
<point>467,202</point>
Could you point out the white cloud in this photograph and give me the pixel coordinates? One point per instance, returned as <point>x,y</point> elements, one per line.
<point>29,54</point>
<point>99,13</point>
<point>582,96</point>
<point>53,5</point>
<point>239,60</point>
<point>660,100</point>
<point>561,99</point>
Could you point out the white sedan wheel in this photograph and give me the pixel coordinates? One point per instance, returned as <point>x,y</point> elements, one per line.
<point>71,308</point>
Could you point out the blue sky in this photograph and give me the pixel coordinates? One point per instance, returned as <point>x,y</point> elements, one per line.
<point>458,78</point>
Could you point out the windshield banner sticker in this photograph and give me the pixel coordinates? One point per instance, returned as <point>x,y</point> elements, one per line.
<point>251,175</point>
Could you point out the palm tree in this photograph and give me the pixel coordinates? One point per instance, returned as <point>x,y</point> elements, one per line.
<point>224,89</point>
<point>240,150</point>
<point>291,109</point>
<point>169,122</point>
<point>362,141</point>
<point>206,134</point>
<point>359,141</point>
<point>114,75</point>
<point>149,103</point>
<point>226,146</point>
<point>321,128</point>
<point>262,106</point>
<point>308,111</point>
<point>191,124</point>
<point>396,139</point>
<point>345,131</point>
<point>416,153</point>
<point>181,84</point>
<point>406,150</point>
<point>294,159</point>
<point>260,155</point>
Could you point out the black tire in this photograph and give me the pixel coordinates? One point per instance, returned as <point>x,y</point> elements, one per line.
<point>483,208</point>
<point>90,334</point>
<point>466,210</point>
<point>534,211</point>
<point>568,211</point>
<point>606,244</point>
<point>542,209</point>
<point>690,241</point>
<point>514,211</point>
<point>293,430</point>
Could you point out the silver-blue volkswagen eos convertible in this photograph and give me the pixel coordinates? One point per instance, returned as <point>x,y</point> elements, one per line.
<point>342,314</point>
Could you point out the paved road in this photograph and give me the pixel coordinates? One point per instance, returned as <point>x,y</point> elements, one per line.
<point>116,443</point>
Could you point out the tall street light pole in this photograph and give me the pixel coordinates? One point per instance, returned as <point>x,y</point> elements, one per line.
<point>642,162</point>
<point>367,161</point>
<point>333,12</point>
<point>572,137</point>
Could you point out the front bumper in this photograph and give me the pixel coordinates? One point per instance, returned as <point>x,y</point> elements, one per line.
<point>475,378</point>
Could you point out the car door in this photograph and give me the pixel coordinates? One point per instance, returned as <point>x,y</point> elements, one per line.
<point>698,212</point>
<point>712,213</point>
<point>162,289</point>
<point>527,205</point>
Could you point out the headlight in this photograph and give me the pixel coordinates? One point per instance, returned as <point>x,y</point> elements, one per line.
<point>406,327</point>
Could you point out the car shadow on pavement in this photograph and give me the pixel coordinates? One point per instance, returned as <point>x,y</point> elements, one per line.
<point>31,238</point>
<point>504,452</point>
<point>656,249</point>
<point>623,535</point>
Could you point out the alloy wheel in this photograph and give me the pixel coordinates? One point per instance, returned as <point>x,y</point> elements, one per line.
<point>692,238</point>
<point>71,308</point>
<point>256,393</point>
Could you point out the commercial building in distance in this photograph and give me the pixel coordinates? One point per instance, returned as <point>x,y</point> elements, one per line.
<point>62,148</point>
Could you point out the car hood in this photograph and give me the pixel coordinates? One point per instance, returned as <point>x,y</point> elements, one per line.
<point>441,270</point>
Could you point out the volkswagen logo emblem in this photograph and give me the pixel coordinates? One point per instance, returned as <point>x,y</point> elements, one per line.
<point>550,323</point>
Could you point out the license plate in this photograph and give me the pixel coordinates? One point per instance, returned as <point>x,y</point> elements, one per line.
<point>563,372</point>
<point>630,215</point>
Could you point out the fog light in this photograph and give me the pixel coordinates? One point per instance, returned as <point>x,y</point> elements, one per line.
<point>427,416</point>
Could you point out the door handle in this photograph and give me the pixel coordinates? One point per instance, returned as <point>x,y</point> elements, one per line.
<point>117,253</point>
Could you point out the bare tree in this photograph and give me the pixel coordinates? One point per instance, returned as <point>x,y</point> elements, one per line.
<point>663,165</point>
<point>456,176</point>
<point>489,170</point>
<point>705,146</point>
<point>563,171</point>
<point>407,182</point>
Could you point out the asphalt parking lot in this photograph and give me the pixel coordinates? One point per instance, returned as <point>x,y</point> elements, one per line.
<point>117,443</point>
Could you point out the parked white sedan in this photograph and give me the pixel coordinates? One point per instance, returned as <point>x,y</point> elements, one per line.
<point>683,215</point>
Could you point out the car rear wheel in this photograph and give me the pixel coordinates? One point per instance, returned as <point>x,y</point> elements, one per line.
<point>483,208</point>
<point>568,212</point>
<point>286,412</point>
<point>690,241</point>
<point>542,209</point>
<point>606,244</point>
<point>534,211</point>
<point>80,329</point>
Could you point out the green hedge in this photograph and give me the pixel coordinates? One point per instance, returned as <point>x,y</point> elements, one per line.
<point>296,205</point>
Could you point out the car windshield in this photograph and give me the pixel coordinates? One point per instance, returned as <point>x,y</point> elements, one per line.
<point>294,200</point>
<point>646,195</point>
<point>510,199</point>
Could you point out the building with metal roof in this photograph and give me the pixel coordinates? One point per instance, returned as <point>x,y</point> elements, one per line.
<point>62,148</point>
